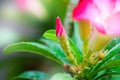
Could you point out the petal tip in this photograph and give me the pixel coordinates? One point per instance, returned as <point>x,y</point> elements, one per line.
<point>59,28</point>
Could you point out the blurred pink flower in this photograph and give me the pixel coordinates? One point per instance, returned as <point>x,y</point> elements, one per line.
<point>103,14</point>
<point>33,6</point>
<point>60,31</point>
<point>22,4</point>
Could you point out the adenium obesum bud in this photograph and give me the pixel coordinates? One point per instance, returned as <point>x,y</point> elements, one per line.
<point>62,37</point>
<point>95,57</point>
<point>63,40</point>
<point>60,31</point>
<point>101,55</point>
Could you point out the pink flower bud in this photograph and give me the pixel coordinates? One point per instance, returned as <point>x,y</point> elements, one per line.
<point>60,31</point>
<point>63,41</point>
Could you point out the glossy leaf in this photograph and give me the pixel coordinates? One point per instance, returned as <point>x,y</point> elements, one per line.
<point>113,73</point>
<point>76,37</point>
<point>50,34</point>
<point>109,56</point>
<point>32,47</point>
<point>108,74</point>
<point>32,75</point>
<point>76,51</point>
<point>113,43</point>
<point>62,76</point>
<point>54,46</point>
<point>109,65</point>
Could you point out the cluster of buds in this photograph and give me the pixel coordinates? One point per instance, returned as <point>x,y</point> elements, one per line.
<point>98,25</point>
<point>91,49</point>
<point>95,57</point>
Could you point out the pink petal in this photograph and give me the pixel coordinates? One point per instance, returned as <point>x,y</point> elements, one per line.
<point>32,6</point>
<point>85,10</point>
<point>106,7</point>
<point>88,11</point>
<point>113,24</point>
<point>100,28</point>
<point>117,8</point>
<point>60,31</point>
<point>22,4</point>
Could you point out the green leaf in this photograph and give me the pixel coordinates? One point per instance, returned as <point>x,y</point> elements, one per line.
<point>32,47</point>
<point>107,58</point>
<point>62,76</point>
<point>50,34</point>
<point>109,65</point>
<point>76,51</point>
<point>76,43</point>
<point>117,69</point>
<point>108,74</point>
<point>32,75</point>
<point>76,37</point>
<point>56,48</point>
<point>112,52</point>
<point>113,43</point>
<point>115,77</point>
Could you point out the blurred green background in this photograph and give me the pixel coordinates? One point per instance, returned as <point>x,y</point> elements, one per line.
<point>27,20</point>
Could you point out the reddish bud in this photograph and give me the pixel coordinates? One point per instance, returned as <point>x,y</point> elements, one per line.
<point>60,31</point>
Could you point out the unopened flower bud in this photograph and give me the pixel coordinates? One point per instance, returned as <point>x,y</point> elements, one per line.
<point>93,61</point>
<point>63,40</point>
<point>67,67</point>
<point>60,31</point>
<point>101,55</point>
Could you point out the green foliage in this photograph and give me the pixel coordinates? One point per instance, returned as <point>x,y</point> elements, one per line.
<point>50,34</point>
<point>108,75</point>
<point>55,47</point>
<point>62,76</point>
<point>32,75</point>
<point>76,51</point>
<point>32,47</point>
<point>50,48</point>
<point>76,37</point>
<point>114,42</point>
<point>76,43</point>
<point>107,63</point>
<point>108,57</point>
